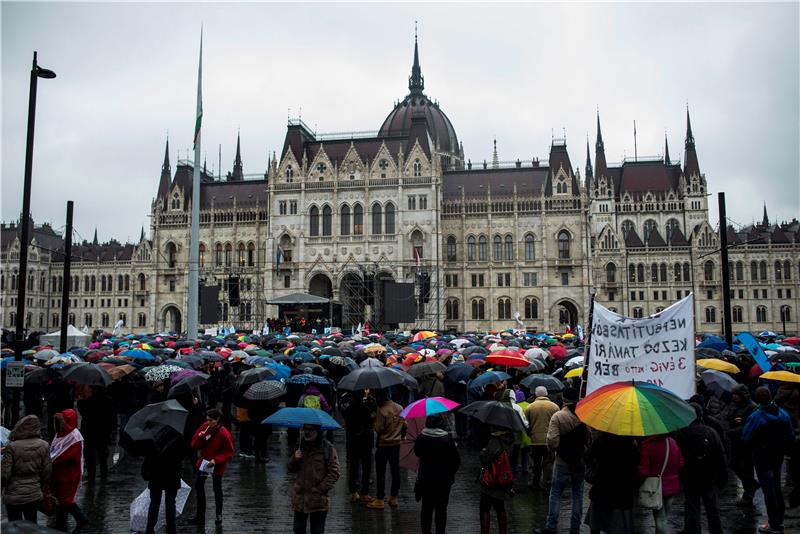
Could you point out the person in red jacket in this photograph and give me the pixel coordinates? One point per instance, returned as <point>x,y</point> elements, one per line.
<point>66,453</point>
<point>654,460</point>
<point>215,447</point>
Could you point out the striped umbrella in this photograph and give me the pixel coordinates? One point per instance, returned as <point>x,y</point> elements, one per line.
<point>634,409</point>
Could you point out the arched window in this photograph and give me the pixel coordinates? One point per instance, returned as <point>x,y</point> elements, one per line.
<point>218,255</point>
<point>251,254</point>
<point>498,248</point>
<point>708,271</point>
<point>87,320</point>
<point>483,246</point>
<point>654,272</point>
<point>142,320</point>
<point>778,270</point>
<point>649,227</point>
<point>530,248</point>
<point>762,270</point>
<point>390,219</point>
<point>451,309</point>
<point>736,314</point>
<point>202,255</point>
<point>241,255</point>
<point>563,244</point>
<point>142,282</point>
<point>531,308</point>
<point>787,270</point>
<point>358,220</point>
<point>71,319</point>
<point>344,220</point>
<point>86,285</point>
<point>172,253</point>
<point>377,219</point>
<point>753,270</point>
<point>739,270</point>
<point>631,273</point>
<point>228,254</point>
<point>509,248</point>
<point>417,168</point>
<point>289,173</point>
<point>122,317</point>
<point>451,248</point>
<point>478,309</point>
<point>127,282</point>
<point>663,272</point>
<point>611,273</point>
<point>327,220</point>
<point>313,221</point>
<point>104,320</point>
<point>687,273</point>
<point>638,313</point>
<point>471,248</point>
<point>711,314</point>
<point>786,314</point>
<point>417,245</point>
<point>761,314</point>
<point>640,272</point>
<point>103,283</point>
<point>626,227</point>
<point>120,283</point>
<point>670,228</point>
<point>504,308</point>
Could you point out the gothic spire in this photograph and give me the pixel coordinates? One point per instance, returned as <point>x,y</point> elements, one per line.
<point>141,236</point>
<point>495,159</point>
<point>666,149</point>
<point>689,136</point>
<point>599,143</point>
<point>95,243</point>
<point>237,174</point>
<point>589,172</point>
<point>416,83</point>
<point>765,219</point>
<point>166,174</point>
<point>690,164</point>
<point>599,152</point>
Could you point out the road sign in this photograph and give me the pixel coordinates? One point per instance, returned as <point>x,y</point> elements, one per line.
<point>15,375</point>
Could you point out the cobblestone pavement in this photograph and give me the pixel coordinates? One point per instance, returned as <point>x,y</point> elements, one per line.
<point>257,499</point>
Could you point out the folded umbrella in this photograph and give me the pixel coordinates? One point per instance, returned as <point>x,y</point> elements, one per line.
<point>494,413</point>
<point>88,374</point>
<point>265,390</point>
<point>298,417</point>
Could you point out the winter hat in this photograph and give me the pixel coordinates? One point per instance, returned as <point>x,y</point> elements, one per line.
<point>570,395</point>
<point>540,391</point>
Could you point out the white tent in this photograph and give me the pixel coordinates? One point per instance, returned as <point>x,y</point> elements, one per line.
<point>75,338</point>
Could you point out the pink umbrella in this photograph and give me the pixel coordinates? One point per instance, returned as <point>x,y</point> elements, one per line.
<point>428,406</point>
<point>408,459</point>
<point>180,375</point>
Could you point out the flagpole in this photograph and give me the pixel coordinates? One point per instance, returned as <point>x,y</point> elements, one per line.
<point>194,243</point>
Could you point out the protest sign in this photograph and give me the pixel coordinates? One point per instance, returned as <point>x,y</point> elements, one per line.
<point>658,349</point>
<point>15,375</point>
<point>751,344</point>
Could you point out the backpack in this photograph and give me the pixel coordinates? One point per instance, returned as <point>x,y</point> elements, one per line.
<point>572,445</point>
<point>499,473</point>
<point>312,401</point>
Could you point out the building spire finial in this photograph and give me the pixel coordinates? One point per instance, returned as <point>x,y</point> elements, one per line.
<point>416,83</point>
<point>495,159</point>
<point>765,220</point>
<point>666,149</point>
<point>689,135</point>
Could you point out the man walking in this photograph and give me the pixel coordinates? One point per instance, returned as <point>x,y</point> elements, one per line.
<point>391,429</point>
<point>539,413</point>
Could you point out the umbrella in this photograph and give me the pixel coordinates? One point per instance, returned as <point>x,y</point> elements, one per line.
<point>375,348</point>
<point>572,373</point>
<point>154,427</point>
<point>515,360</point>
<point>428,406</point>
<point>266,390</point>
<point>298,417</point>
<point>162,372</point>
<point>426,368</point>
<point>371,362</point>
<point>88,374</point>
<point>575,361</point>
<point>138,354</point>
<point>489,377</point>
<point>718,382</point>
<point>536,354</point>
<point>186,385</point>
<point>371,378</point>
<point>551,383</point>
<point>458,372</point>
<point>307,378</point>
<point>494,413</point>
<point>767,333</point>
<point>121,371</point>
<point>45,354</point>
<point>794,340</point>
<point>251,376</point>
<point>634,409</point>
<point>408,459</point>
<point>713,342</point>
<point>782,376</point>
<point>423,335</point>
<point>558,352</point>
<point>718,365</point>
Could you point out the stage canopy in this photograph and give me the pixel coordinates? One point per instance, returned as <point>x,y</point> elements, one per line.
<point>298,298</point>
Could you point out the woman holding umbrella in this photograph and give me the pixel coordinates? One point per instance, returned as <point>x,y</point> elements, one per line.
<point>215,446</point>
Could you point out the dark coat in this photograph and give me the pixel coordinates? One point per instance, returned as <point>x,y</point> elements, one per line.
<point>498,442</point>
<point>317,472</point>
<point>438,461</point>
<point>163,471</point>
<point>97,417</point>
<point>357,414</point>
<point>704,464</point>
<point>615,462</point>
<point>26,463</point>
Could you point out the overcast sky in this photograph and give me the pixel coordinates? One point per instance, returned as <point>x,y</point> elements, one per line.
<point>127,76</point>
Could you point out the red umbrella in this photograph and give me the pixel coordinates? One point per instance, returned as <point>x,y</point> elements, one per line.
<point>755,371</point>
<point>507,360</point>
<point>792,340</point>
<point>559,352</point>
<point>506,352</point>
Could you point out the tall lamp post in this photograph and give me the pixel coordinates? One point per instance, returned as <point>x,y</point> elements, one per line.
<point>19,338</point>
<point>783,318</point>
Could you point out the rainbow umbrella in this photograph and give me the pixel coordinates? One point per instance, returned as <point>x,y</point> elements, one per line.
<point>428,406</point>
<point>423,335</point>
<point>634,409</point>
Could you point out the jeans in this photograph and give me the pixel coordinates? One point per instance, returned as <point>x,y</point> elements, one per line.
<point>710,499</point>
<point>169,510</point>
<point>359,461</point>
<point>661,517</point>
<point>71,509</point>
<point>769,476</point>
<point>563,474</point>
<point>200,488</point>
<point>317,522</point>
<point>435,504</point>
<point>28,511</point>
<point>390,455</point>
<point>542,469</point>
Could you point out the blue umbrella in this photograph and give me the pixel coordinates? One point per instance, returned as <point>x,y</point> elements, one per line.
<point>713,342</point>
<point>8,359</point>
<point>138,354</point>
<point>283,371</point>
<point>489,378</point>
<point>307,378</point>
<point>297,417</point>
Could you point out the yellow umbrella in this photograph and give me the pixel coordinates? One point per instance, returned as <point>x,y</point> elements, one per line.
<point>374,347</point>
<point>719,365</point>
<point>782,376</point>
<point>574,372</point>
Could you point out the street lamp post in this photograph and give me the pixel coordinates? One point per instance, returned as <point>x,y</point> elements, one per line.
<point>19,337</point>
<point>783,318</point>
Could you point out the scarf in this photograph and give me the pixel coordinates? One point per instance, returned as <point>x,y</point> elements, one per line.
<point>60,445</point>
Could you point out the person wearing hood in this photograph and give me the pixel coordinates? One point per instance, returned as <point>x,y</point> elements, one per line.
<point>704,473</point>
<point>317,466</point>
<point>66,453</point>
<point>492,458</point>
<point>736,413</point>
<point>391,430</point>
<point>26,469</point>
<point>438,463</point>
<point>767,435</point>
<point>215,446</point>
<point>313,398</point>
<point>539,413</point>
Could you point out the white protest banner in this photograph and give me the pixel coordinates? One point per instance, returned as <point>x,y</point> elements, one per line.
<point>658,349</point>
<point>15,375</point>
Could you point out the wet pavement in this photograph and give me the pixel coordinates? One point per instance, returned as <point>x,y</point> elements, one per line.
<point>257,499</point>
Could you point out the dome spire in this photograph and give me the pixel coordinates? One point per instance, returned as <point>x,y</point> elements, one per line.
<point>416,83</point>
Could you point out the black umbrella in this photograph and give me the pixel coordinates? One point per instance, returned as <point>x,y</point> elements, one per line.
<point>265,390</point>
<point>154,427</point>
<point>186,385</point>
<point>494,413</point>
<point>535,380</point>
<point>251,376</point>
<point>718,382</point>
<point>332,351</point>
<point>426,368</point>
<point>88,374</point>
<point>372,378</point>
<point>458,372</point>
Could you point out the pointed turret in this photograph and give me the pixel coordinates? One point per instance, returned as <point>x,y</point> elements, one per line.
<point>416,83</point>
<point>690,164</point>
<point>599,152</point>
<point>666,150</point>
<point>166,175</point>
<point>495,159</point>
<point>765,219</point>
<point>141,236</point>
<point>589,172</point>
<point>95,243</point>
<point>237,175</point>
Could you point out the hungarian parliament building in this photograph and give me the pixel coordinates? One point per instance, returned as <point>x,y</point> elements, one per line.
<point>485,245</point>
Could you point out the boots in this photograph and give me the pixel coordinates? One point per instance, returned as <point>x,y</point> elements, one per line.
<point>376,504</point>
<point>502,522</point>
<point>393,502</point>
<point>486,522</point>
